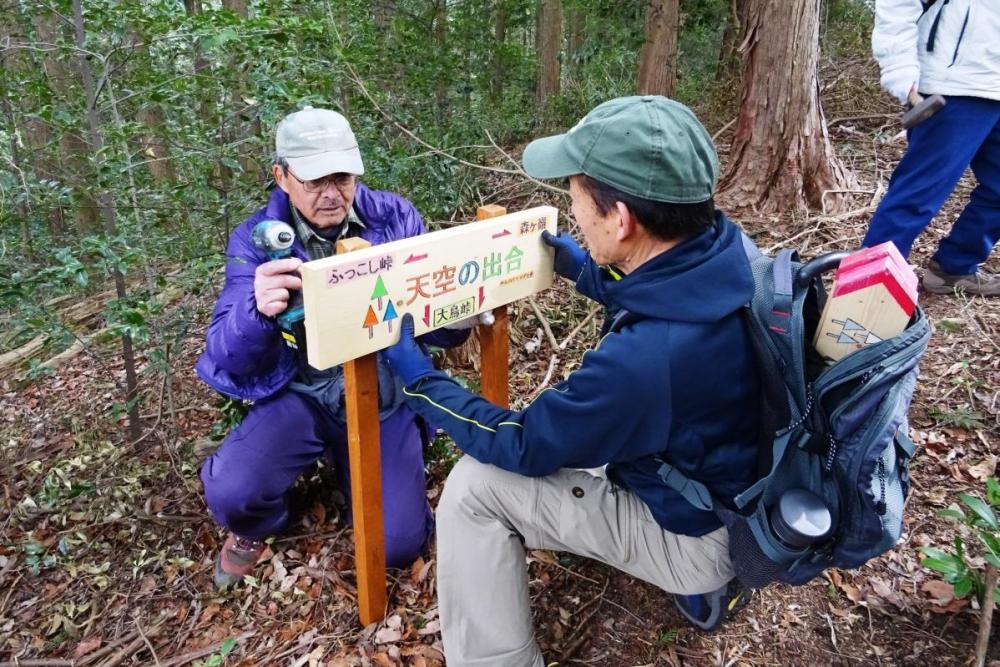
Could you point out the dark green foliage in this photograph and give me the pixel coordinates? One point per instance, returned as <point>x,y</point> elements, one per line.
<point>231,413</point>
<point>956,567</point>
<point>187,106</point>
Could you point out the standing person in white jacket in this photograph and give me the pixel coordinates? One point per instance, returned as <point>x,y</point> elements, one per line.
<point>950,48</point>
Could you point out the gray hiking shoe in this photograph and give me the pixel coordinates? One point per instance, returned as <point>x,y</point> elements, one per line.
<point>937,281</point>
<point>237,559</point>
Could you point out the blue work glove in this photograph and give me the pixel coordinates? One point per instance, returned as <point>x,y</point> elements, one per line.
<point>569,255</point>
<point>406,358</point>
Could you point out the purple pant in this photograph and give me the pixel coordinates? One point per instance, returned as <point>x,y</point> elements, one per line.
<point>248,478</point>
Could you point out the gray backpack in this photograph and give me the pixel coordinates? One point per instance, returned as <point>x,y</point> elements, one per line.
<point>834,449</point>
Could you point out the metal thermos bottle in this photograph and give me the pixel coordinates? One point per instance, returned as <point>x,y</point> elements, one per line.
<point>800,518</point>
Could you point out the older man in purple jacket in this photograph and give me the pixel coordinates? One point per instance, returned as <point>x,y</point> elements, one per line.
<point>298,413</point>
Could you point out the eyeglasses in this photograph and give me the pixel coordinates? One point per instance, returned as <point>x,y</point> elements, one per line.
<point>340,180</point>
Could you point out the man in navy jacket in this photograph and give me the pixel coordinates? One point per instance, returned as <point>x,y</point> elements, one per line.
<point>672,380</point>
<point>298,412</point>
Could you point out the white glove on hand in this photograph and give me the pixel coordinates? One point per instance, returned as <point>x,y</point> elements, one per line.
<point>898,82</point>
<point>485,317</point>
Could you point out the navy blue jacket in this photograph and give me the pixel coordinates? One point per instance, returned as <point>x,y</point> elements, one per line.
<point>677,381</point>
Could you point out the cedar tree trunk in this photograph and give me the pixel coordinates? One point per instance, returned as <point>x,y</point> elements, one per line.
<point>781,156</point>
<point>658,58</point>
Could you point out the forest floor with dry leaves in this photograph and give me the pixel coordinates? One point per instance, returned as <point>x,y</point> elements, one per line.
<point>106,549</point>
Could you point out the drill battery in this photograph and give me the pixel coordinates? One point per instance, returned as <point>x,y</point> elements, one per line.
<point>293,327</point>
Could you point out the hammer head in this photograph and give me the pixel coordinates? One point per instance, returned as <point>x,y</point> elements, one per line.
<point>923,110</point>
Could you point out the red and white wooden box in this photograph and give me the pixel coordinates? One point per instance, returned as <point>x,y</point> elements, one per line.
<point>873,296</point>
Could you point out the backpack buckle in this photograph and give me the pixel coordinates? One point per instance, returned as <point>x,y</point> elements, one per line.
<point>812,442</point>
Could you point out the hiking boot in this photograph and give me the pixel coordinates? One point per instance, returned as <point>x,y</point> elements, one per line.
<point>708,610</point>
<point>937,281</point>
<point>236,560</point>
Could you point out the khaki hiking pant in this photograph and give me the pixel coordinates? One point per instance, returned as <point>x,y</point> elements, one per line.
<point>486,519</point>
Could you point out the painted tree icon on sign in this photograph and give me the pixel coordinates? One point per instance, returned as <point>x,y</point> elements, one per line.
<point>852,333</point>
<point>390,315</point>
<point>371,319</point>
<point>380,292</point>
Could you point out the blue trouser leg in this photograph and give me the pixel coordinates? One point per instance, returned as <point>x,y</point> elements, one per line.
<point>938,152</point>
<point>248,478</point>
<point>977,230</point>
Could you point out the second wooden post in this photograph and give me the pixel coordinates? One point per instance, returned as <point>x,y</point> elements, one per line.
<point>494,339</point>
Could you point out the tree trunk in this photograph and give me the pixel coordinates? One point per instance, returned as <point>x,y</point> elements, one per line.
<point>247,122</point>
<point>107,205</point>
<point>549,47</point>
<point>343,87</point>
<point>206,106</point>
<point>781,156</point>
<point>73,149</point>
<point>499,43</point>
<point>440,40</point>
<point>658,58</point>
<point>986,615</point>
<point>576,39</point>
<point>23,210</point>
<point>728,54</point>
<point>156,154</point>
<point>14,61</point>
<point>385,13</point>
<point>238,7</point>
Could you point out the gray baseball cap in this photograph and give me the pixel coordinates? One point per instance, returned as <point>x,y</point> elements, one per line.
<point>647,146</point>
<point>318,142</point>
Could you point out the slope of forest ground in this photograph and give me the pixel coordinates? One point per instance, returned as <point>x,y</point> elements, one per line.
<point>106,550</point>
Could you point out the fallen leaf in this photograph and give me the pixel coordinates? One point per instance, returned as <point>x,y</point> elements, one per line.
<point>419,574</point>
<point>940,592</point>
<point>319,513</point>
<point>345,661</point>
<point>788,619</point>
<point>985,469</point>
<point>851,591</point>
<point>86,645</point>
<point>432,627</point>
<point>885,591</point>
<point>209,613</point>
<point>543,557</point>
<point>845,614</point>
<point>423,650</point>
<point>387,635</point>
<point>953,607</point>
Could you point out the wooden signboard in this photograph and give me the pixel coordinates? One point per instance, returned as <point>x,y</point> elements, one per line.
<point>874,294</point>
<point>353,302</point>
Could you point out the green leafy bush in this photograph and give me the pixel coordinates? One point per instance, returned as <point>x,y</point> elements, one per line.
<point>956,566</point>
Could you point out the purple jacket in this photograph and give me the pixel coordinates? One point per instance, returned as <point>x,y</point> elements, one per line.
<point>244,355</point>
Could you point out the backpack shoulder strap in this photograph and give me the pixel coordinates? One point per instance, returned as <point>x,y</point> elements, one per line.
<point>693,491</point>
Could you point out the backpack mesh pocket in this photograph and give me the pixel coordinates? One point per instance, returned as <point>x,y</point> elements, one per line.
<point>753,567</point>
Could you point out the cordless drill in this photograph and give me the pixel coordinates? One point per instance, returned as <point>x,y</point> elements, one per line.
<point>275,238</point>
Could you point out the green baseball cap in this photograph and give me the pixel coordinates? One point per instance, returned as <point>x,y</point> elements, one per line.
<point>647,146</point>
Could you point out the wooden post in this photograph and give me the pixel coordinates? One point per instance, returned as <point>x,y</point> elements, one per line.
<point>494,339</point>
<point>364,450</point>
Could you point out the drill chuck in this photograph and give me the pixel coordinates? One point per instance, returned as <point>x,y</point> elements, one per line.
<point>274,237</point>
